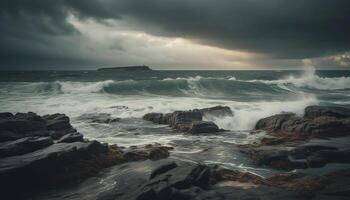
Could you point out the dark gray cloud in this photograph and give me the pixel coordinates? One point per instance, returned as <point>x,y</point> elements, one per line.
<point>280,29</point>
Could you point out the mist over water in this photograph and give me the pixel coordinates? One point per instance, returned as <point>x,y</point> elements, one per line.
<point>251,95</point>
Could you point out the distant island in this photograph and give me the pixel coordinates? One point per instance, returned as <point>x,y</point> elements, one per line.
<point>127,68</point>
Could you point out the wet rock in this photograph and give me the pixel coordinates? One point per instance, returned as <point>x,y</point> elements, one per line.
<point>304,151</point>
<point>150,151</point>
<point>318,121</point>
<point>274,158</point>
<point>58,125</point>
<point>319,111</point>
<point>13,127</point>
<point>322,157</point>
<point>174,183</point>
<point>103,118</point>
<point>217,111</point>
<point>24,145</point>
<point>180,118</point>
<point>162,169</point>
<point>220,174</point>
<point>273,123</point>
<point>71,137</point>
<point>157,118</point>
<point>53,165</point>
<point>203,127</point>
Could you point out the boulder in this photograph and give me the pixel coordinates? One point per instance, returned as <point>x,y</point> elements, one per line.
<point>203,127</point>
<point>24,145</point>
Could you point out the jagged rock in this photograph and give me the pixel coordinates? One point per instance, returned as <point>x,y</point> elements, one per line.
<point>104,118</point>
<point>203,127</point>
<point>153,152</point>
<point>71,137</point>
<point>318,121</point>
<point>319,111</point>
<point>13,127</point>
<point>184,117</point>
<point>162,169</point>
<point>24,145</point>
<point>187,121</point>
<point>157,118</point>
<point>322,157</point>
<point>172,183</point>
<point>275,158</point>
<point>49,166</point>
<point>217,111</point>
<point>304,151</point>
<point>58,125</point>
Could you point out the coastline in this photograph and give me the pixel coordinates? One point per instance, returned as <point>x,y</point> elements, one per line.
<point>53,135</point>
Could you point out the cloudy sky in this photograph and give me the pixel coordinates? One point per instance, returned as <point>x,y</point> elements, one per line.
<point>174,34</point>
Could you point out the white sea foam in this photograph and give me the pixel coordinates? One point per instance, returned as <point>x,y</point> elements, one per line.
<point>83,87</point>
<point>309,79</point>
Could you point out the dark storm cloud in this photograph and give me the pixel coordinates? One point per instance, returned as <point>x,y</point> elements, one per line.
<point>281,29</point>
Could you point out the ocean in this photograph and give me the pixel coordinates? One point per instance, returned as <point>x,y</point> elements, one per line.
<point>251,95</point>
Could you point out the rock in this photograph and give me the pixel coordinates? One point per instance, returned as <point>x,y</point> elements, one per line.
<point>318,121</point>
<point>274,122</point>
<point>179,118</point>
<point>223,174</point>
<point>24,145</point>
<point>304,151</point>
<point>59,125</point>
<point>329,111</point>
<point>217,111</point>
<point>203,127</point>
<point>157,118</point>
<point>274,158</point>
<point>13,127</point>
<point>51,165</point>
<point>322,157</point>
<point>71,137</point>
<point>162,169</point>
<point>174,183</point>
<point>104,118</point>
<point>153,152</point>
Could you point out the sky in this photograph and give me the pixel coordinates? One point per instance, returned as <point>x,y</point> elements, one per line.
<point>174,34</point>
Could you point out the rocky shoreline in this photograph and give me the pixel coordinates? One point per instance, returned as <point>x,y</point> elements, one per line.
<point>45,153</point>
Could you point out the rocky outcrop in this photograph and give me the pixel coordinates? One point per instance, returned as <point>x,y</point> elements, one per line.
<point>24,145</point>
<point>42,152</point>
<point>317,121</point>
<point>189,181</point>
<point>217,111</point>
<point>103,118</point>
<point>190,121</point>
<point>21,125</point>
<point>203,127</point>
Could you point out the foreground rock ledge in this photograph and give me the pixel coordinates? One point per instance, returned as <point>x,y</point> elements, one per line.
<point>37,153</point>
<point>189,181</point>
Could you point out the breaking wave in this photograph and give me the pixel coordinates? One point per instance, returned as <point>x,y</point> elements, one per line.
<point>309,79</point>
